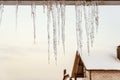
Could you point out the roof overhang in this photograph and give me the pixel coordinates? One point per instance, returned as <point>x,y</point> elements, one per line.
<point>67,2</point>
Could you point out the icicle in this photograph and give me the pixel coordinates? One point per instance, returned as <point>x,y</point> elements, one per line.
<point>33,13</point>
<point>91,21</point>
<point>63,24</point>
<point>54,30</point>
<point>92,16</point>
<point>1,12</point>
<point>58,17</point>
<point>48,29</point>
<point>96,16</point>
<point>76,6</point>
<point>77,36</point>
<point>86,25</point>
<point>78,26</point>
<point>44,6</point>
<point>17,4</point>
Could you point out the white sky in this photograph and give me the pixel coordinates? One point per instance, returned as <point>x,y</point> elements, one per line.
<point>20,59</point>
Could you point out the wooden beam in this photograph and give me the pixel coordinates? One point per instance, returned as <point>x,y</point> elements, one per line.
<point>75,66</point>
<point>67,2</point>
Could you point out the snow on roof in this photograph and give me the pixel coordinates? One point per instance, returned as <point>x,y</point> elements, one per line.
<point>101,61</point>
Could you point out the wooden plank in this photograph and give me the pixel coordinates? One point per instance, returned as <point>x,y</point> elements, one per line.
<point>67,2</point>
<point>77,71</point>
<point>76,62</point>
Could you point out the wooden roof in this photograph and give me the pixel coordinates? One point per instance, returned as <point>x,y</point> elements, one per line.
<point>67,2</point>
<point>76,67</point>
<point>76,62</point>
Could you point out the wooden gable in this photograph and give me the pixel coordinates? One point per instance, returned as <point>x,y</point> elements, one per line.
<point>77,71</point>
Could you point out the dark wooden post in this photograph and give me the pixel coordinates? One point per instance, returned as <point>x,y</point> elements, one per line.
<point>75,76</point>
<point>118,52</point>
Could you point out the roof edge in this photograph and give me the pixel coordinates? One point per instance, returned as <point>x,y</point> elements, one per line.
<point>67,2</point>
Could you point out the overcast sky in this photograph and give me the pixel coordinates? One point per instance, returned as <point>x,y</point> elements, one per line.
<point>20,59</point>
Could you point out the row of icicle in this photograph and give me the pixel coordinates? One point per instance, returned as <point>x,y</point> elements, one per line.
<point>57,12</point>
<point>86,12</point>
<point>86,17</point>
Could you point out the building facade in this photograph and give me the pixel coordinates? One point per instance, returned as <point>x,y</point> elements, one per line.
<point>91,68</point>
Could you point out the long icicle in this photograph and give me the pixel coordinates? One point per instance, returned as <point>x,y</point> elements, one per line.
<point>54,30</point>
<point>76,7</point>
<point>1,12</point>
<point>79,26</point>
<point>48,28</point>
<point>44,6</point>
<point>17,4</point>
<point>58,19</point>
<point>91,21</point>
<point>33,12</point>
<point>63,24</point>
<point>96,16</point>
<point>92,16</point>
<point>86,25</point>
